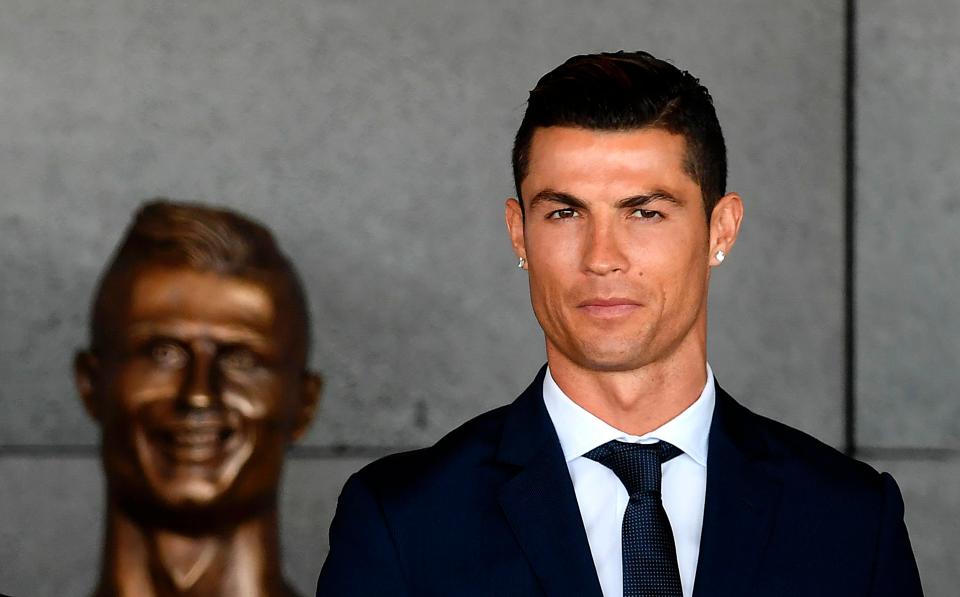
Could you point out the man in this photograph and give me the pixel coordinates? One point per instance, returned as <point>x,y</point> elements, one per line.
<point>623,469</point>
<point>197,377</point>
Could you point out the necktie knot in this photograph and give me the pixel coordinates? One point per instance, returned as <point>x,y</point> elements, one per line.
<point>636,465</point>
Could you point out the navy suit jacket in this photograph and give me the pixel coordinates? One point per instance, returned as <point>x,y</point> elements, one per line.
<point>490,510</point>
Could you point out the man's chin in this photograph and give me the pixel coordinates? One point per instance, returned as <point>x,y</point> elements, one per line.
<point>611,357</point>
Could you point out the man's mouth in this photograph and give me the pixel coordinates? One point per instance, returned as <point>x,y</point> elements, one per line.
<point>608,308</point>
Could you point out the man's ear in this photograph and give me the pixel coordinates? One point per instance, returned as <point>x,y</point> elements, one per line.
<point>86,376</point>
<point>513,214</point>
<point>310,387</point>
<point>725,225</point>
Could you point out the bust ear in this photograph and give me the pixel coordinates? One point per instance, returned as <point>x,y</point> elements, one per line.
<point>310,387</point>
<point>86,376</point>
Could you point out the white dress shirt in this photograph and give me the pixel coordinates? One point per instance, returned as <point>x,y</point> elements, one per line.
<point>603,498</point>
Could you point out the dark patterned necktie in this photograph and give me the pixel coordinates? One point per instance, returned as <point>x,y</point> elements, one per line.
<point>649,554</point>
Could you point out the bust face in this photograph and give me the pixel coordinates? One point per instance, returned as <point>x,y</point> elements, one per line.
<point>199,388</point>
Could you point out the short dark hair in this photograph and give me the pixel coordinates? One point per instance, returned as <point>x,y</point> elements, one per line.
<point>204,238</point>
<point>624,91</point>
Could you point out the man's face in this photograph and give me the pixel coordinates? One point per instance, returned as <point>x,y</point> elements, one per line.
<point>198,389</point>
<point>617,245</point>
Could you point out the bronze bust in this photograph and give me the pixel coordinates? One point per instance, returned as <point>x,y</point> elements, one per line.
<point>196,375</point>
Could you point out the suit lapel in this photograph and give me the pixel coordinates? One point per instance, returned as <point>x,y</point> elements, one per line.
<point>539,502</point>
<point>742,497</point>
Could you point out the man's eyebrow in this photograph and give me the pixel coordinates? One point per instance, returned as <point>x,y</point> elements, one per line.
<point>641,200</point>
<point>556,197</point>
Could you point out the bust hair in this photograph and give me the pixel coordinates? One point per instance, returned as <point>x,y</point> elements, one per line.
<point>182,234</point>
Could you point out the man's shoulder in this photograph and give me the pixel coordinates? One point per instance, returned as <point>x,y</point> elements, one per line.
<point>807,461</point>
<point>452,460</point>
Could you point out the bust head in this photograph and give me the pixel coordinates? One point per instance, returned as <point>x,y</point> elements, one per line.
<point>196,371</point>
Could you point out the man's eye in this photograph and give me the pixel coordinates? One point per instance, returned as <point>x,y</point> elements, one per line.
<point>647,214</point>
<point>239,359</point>
<point>169,355</point>
<point>562,214</point>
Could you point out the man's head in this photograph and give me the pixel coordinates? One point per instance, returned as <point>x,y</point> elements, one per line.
<point>628,92</point>
<point>617,161</point>
<point>197,366</point>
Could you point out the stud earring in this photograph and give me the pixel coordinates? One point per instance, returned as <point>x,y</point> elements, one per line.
<point>721,255</point>
<point>521,263</point>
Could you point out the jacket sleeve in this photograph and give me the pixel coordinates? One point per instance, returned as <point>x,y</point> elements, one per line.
<point>895,569</point>
<point>363,559</point>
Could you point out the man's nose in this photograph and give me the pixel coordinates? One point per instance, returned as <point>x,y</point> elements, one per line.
<point>200,389</point>
<point>603,252</point>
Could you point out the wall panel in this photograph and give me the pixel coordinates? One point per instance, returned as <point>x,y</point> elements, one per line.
<point>908,226</point>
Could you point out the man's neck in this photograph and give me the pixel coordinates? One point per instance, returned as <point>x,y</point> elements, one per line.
<point>635,401</point>
<point>145,561</point>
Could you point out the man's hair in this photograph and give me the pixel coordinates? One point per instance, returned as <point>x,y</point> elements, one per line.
<point>625,91</point>
<point>177,233</point>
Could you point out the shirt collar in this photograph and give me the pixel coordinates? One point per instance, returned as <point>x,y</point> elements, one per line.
<point>580,431</point>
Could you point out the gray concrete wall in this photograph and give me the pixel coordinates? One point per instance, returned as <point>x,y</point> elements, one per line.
<point>907,278</point>
<point>374,137</point>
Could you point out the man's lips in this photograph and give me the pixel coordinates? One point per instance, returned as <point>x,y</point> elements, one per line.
<point>607,308</point>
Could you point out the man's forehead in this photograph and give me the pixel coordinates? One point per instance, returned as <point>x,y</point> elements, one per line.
<point>632,162</point>
<point>561,141</point>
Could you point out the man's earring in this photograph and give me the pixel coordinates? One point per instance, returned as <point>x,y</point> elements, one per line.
<point>521,263</point>
<point>721,255</point>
